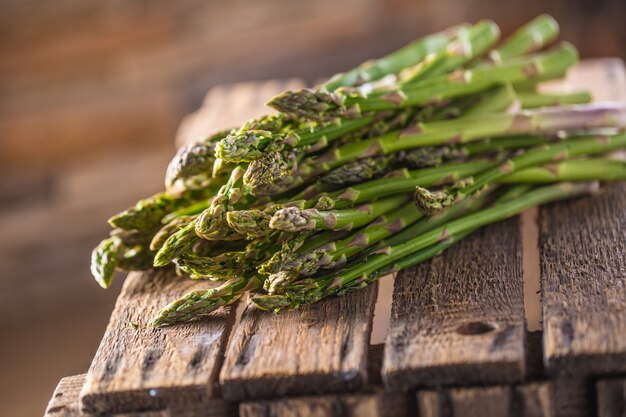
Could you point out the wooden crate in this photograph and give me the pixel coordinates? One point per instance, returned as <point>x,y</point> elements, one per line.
<point>457,343</point>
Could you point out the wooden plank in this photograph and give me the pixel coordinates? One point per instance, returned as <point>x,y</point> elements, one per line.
<point>583,261</point>
<point>459,319</point>
<point>355,405</point>
<point>583,266</point>
<point>573,396</point>
<point>319,348</point>
<point>371,403</point>
<point>65,401</point>
<point>484,402</point>
<point>139,367</point>
<point>527,400</point>
<point>611,394</point>
<point>582,271</point>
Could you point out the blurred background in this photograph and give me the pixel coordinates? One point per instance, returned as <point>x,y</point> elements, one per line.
<point>91,94</point>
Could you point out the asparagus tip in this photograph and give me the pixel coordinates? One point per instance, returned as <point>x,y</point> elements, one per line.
<point>291,219</point>
<point>104,260</point>
<point>427,201</point>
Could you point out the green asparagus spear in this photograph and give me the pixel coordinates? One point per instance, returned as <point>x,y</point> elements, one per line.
<point>293,219</point>
<point>531,100</point>
<point>469,44</point>
<point>319,105</point>
<point>410,55</point>
<point>430,202</point>
<point>600,169</point>
<point>313,289</point>
<point>104,260</point>
<point>147,214</point>
<point>203,302</point>
<point>531,37</point>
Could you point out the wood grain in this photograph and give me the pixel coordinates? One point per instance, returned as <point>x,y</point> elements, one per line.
<point>583,261</point>
<point>459,318</point>
<point>319,348</point>
<point>354,405</point>
<point>65,401</point>
<point>611,395</point>
<point>583,267</point>
<point>138,367</point>
<point>527,400</point>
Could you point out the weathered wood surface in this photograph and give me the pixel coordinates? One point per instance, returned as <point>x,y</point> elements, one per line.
<point>376,403</point>
<point>65,403</point>
<point>582,247</point>
<point>611,397</point>
<point>583,265</point>
<point>533,398</point>
<point>138,367</point>
<point>528,400</point>
<point>459,318</point>
<point>355,405</point>
<point>319,348</point>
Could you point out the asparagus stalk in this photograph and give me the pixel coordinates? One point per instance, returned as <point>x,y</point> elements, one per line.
<point>531,37</point>
<point>203,302</point>
<point>401,225</point>
<point>471,128</point>
<point>429,202</point>
<point>531,100</point>
<point>177,244</point>
<point>104,260</point>
<point>246,145</point>
<point>499,99</point>
<point>277,173</point>
<point>294,219</point>
<point>135,258</point>
<point>193,159</point>
<point>407,181</point>
<point>407,56</point>
<point>601,169</point>
<point>253,222</point>
<point>469,44</point>
<point>320,105</point>
<point>335,253</point>
<point>313,289</point>
<point>173,226</point>
<point>211,224</point>
<point>148,213</point>
<point>219,267</point>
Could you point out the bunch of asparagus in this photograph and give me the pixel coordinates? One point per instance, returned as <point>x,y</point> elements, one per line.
<point>380,168</point>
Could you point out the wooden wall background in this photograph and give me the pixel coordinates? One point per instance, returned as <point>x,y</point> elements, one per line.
<point>91,93</point>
